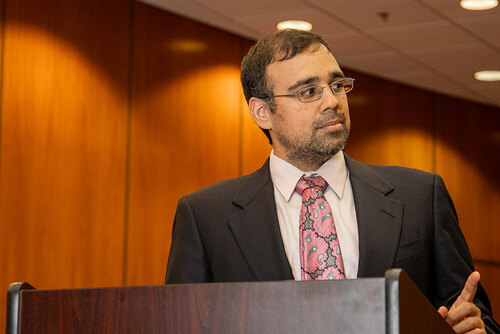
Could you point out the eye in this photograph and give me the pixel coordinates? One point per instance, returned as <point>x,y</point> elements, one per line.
<point>338,86</point>
<point>310,92</point>
<point>343,85</point>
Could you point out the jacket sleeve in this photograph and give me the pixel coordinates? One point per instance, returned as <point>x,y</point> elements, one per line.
<point>453,262</point>
<point>187,261</point>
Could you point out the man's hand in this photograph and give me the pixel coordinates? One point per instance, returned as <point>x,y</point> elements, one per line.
<point>463,316</point>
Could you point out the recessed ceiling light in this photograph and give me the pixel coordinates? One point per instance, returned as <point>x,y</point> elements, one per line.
<point>293,24</point>
<point>487,75</point>
<point>478,4</point>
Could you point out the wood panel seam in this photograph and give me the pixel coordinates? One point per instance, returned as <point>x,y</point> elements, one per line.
<point>2,47</point>
<point>434,133</point>
<point>128,145</point>
<point>240,118</point>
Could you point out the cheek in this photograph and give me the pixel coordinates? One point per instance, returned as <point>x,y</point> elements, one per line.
<point>307,115</point>
<point>345,108</point>
<point>295,119</point>
<point>297,126</point>
<point>304,125</point>
<point>348,119</point>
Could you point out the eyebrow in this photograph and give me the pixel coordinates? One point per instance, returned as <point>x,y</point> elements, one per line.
<point>336,74</point>
<point>302,83</point>
<point>333,75</point>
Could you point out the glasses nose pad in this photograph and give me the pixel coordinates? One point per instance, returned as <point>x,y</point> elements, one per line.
<point>330,100</point>
<point>331,91</point>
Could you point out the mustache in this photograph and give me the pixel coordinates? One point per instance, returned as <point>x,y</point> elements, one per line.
<point>329,115</point>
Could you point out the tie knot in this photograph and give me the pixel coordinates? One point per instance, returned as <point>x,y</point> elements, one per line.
<point>312,181</point>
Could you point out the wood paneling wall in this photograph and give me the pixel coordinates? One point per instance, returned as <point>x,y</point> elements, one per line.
<point>63,133</point>
<point>467,157</point>
<point>392,124</point>
<point>185,124</point>
<point>63,136</point>
<point>110,111</point>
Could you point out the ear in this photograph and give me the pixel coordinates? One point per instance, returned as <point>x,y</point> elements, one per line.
<point>260,112</point>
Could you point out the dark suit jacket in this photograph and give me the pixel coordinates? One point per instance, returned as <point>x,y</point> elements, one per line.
<point>230,232</point>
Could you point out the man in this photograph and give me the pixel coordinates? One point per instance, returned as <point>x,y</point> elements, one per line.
<point>377,218</point>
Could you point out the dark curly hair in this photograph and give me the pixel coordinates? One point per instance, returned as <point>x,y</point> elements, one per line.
<point>278,46</point>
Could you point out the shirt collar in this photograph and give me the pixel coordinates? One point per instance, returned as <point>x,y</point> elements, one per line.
<point>285,175</point>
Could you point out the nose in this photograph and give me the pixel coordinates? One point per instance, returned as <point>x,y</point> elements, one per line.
<point>329,100</point>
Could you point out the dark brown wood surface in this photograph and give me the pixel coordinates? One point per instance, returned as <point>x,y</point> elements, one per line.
<point>390,305</point>
<point>265,307</point>
<point>416,314</point>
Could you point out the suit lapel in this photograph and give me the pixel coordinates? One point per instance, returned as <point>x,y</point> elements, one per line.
<point>256,228</point>
<point>379,219</point>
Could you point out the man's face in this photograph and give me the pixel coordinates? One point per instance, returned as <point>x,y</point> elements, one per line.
<point>306,134</point>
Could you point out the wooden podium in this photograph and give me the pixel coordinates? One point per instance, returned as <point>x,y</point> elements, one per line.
<point>371,305</point>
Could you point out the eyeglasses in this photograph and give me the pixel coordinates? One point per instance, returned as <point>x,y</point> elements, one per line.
<point>313,93</point>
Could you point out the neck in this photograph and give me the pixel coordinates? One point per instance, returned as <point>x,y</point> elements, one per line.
<point>310,163</point>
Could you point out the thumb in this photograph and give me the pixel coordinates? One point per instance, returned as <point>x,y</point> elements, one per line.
<point>470,288</point>
<point>443,311</point>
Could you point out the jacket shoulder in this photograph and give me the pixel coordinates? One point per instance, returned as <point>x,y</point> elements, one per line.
<point>239,190</point>
<point>225,188</point>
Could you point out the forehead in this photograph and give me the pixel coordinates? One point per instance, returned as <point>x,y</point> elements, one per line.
<point>312,62</point>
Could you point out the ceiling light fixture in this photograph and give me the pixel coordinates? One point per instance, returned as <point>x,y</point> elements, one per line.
<point>487,75</point>
<point>478,4</point>
<point>294,24</point>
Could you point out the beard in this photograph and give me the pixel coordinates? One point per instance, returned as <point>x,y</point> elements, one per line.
<point>316,146</point>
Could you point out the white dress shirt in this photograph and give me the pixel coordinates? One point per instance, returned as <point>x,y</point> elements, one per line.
<point>338,194</point>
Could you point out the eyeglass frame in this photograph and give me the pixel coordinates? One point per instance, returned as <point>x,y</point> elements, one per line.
<point>321,94</point>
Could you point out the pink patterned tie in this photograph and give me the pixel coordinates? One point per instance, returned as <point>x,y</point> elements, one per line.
<point>320,255</point>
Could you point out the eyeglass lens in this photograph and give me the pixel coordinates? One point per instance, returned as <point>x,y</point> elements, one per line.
<point>340,86</point>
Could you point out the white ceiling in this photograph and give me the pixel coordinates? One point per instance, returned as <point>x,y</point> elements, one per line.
<point>431,44</point>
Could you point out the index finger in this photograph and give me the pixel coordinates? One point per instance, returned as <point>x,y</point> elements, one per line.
<point>470,288</point>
